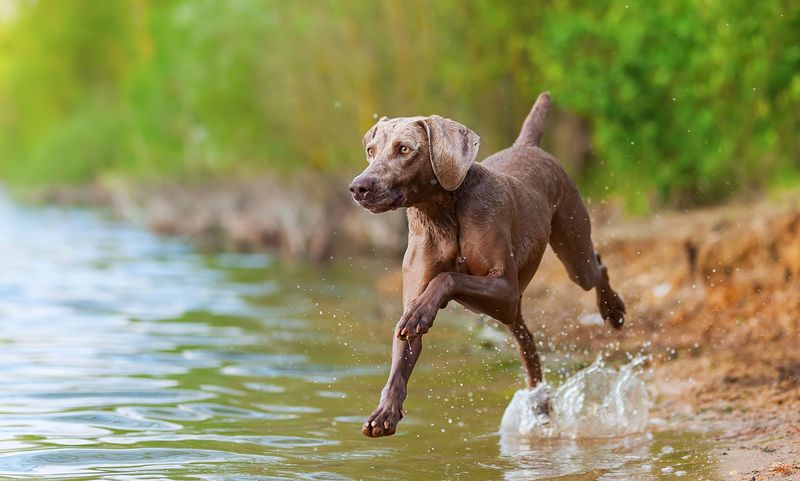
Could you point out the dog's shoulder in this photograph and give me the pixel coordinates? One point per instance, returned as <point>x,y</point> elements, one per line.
<point>484,193</point>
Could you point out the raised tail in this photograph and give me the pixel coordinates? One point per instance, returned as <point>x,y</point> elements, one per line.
<point>533,128</point>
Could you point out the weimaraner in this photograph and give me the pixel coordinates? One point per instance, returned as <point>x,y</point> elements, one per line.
<point>477,232</point>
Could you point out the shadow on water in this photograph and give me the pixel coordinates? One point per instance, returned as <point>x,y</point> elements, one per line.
<point>126,356</point>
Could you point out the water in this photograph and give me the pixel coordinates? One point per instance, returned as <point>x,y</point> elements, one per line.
<point>596,402</point>
<point>130,357</point>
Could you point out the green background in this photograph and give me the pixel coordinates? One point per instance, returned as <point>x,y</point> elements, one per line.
<point>686,102</point>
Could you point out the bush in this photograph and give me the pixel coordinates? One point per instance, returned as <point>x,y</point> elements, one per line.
<point>689,102</point>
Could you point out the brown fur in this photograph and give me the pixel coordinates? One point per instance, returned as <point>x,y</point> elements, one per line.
<point>477,232</point>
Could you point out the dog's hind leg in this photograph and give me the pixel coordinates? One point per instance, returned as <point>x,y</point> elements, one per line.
<point>527,351</point>
<point>608,302</point>
<point>571,239</point>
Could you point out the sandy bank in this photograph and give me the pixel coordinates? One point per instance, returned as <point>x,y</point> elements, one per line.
<point>714,297</point>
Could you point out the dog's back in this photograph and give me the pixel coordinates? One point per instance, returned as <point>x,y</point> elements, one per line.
<point>548,204</point>
<point>540,180</point>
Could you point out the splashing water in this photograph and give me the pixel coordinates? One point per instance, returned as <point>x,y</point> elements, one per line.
<point>595,402</point>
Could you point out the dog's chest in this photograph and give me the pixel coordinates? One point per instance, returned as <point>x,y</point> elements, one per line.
<point>433,247</point>
<point>434,256</point>
<point>430,256</point>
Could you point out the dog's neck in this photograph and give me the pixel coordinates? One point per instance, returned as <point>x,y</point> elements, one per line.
<point>435,217</point>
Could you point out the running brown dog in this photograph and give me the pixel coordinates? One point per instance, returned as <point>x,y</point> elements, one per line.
<point>477,232</point>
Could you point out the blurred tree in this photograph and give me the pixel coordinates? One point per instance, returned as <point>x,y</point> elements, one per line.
<point>688,101</point>
<point>64,64</point>
<point>686,98</point>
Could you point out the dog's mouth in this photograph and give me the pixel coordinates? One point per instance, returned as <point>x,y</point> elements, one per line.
<point>384,203</point>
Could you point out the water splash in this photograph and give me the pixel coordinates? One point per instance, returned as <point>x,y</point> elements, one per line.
<point>595,402</point>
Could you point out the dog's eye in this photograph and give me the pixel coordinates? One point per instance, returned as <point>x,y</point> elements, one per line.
<point>404,149</point>
<point>369,152</point>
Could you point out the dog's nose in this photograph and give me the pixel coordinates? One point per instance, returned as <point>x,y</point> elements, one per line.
<point>362,187</point>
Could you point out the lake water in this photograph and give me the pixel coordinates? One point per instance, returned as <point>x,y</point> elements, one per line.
<point>125,356</point>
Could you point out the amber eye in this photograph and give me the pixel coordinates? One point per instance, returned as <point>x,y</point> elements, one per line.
<point>369,152</point>
<point>404,149</point>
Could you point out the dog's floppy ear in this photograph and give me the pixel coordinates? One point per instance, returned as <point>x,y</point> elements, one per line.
<point>453,148</point>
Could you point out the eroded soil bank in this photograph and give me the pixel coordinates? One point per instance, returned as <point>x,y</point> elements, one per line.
<point>712,295</point>
<point>715,297</point>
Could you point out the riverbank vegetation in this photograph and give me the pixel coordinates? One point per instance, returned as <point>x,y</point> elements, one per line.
<point>681,103</point>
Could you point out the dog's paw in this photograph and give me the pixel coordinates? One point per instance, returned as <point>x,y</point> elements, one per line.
<point>416,321</point>
<point>383,421</point>
<point>611,308</point>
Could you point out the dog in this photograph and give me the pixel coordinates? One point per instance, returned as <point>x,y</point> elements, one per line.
<point>476,233</point>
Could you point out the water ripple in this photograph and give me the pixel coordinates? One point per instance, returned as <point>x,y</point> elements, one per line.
<point>74,461</point>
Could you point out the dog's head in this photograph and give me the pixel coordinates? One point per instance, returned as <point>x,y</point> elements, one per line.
<point>410,158</point>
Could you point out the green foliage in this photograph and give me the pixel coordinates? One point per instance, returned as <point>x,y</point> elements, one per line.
<point>688,101</point>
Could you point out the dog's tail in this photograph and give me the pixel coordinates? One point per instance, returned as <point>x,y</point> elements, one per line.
<point>533,128</point>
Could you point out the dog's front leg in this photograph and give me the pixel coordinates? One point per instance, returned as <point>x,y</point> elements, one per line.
<point>494,295</point>
<point>383,421</point>
<point>418,317</point>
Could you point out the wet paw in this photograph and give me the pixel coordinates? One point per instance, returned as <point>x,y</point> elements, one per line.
<point>611,308</point>
<point>608,302</point>
<point>416,321</point>
<point>383,421</point>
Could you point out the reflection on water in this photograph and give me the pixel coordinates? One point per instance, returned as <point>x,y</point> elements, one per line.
<point>130,357</point>
<point>635,457</point>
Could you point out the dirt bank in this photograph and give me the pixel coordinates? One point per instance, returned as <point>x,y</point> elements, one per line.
<point>714,297</point>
